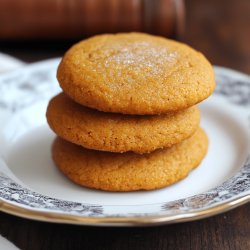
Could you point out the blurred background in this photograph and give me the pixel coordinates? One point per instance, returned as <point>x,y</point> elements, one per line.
<point>33,30</point>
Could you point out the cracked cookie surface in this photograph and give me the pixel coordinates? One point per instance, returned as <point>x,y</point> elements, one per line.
<point>129,171</point>
<point>117,132</point>
<point>135,73</point>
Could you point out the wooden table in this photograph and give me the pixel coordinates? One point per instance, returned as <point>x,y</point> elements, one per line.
<point>221,30</point>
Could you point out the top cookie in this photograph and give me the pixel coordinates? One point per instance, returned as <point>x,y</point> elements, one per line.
<point>135,73</point>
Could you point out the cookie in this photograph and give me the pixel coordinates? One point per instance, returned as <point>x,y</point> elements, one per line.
<point>129,171</point>
<point>135,73</point>
<point>117,132</point>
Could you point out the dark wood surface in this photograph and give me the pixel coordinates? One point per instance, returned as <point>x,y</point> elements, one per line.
<point>221,30</point>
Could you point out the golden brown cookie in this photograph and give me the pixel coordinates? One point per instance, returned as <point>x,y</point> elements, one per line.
<point>135,73</point>
<point>116,132</point>
<point>129,171</point>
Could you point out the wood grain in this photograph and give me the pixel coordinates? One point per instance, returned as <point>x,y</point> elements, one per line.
<point>227,231</point>
<point>77,18</point>
<point>220,29</point>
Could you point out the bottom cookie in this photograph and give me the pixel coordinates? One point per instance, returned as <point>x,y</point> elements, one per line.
<point>129,171</point>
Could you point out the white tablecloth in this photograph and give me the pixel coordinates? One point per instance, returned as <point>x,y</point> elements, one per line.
<point>8,63</point>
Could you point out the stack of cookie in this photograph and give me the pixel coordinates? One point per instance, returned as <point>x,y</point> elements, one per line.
<point>127,119</point>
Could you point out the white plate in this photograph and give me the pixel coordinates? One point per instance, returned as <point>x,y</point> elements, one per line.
<point>31,187</point>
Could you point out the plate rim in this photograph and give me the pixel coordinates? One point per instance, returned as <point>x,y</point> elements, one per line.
<point>54,217</point>
<point>147,220</point>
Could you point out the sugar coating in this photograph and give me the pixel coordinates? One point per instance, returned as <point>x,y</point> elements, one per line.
<point>138,56</point>
<point>135,73</point>
<point>118,132</point>
<point>129,171</point>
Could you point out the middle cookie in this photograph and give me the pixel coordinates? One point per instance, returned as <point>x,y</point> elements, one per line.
<point>118,132</point>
